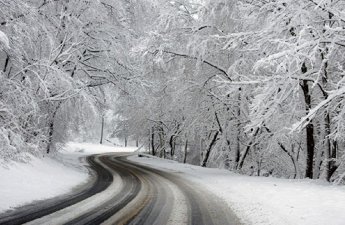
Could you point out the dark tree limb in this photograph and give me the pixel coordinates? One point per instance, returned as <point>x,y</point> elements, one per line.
<point>221,70</point>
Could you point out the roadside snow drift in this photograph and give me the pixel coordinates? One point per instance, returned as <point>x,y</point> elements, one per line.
<point>39,179</point>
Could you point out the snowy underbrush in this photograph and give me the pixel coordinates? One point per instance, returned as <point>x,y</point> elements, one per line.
<point>264,200</point>
<point>13,148</point>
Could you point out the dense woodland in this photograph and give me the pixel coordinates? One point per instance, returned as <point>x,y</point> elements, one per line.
<point>253,86</point>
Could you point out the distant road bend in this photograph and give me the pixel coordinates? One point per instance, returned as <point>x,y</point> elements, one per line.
<point>124,192</point>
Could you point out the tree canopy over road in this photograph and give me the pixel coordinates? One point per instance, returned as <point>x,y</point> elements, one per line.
<point>253,86</point>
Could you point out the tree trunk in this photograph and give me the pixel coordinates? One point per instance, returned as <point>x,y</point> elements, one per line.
<point>172,146</point>
<point>6,63</point>
<point>328,147</point>
<point>309,129</point>
<point>102,130</point>
<point>51,128</point>
<point>185,151</point>
<point>161,143</point>
<point>291,157</point>
<point>331,147</point>
<point>50,135</point>
<point>208,150</point>
<point>259,164</point>
<point>245,153</point>
<point>149,143</point>
<point>153,141</point>
<point>330,159</point>
<point>238,132</point>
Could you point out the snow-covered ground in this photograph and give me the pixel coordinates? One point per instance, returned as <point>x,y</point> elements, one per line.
<point>261,200</point>
<point>89,148</point>
<point>21,183</point>
<point>43,178</point>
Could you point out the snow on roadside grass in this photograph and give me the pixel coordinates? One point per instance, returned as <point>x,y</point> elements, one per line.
<point>48,177</point>
<point>21,183</point>
<point>261,200</point>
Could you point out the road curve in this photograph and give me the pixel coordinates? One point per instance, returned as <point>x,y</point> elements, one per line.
<point>128,193</point>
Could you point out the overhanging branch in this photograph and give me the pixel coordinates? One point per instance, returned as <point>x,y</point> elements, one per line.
<point>225,74</point>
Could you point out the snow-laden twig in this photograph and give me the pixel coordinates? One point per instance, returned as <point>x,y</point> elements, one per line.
<point>312,113</point>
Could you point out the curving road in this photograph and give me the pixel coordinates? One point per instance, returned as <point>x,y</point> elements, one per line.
<point>124,192</point>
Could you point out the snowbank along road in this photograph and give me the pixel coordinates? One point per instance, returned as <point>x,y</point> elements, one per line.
<point>124,192</point>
